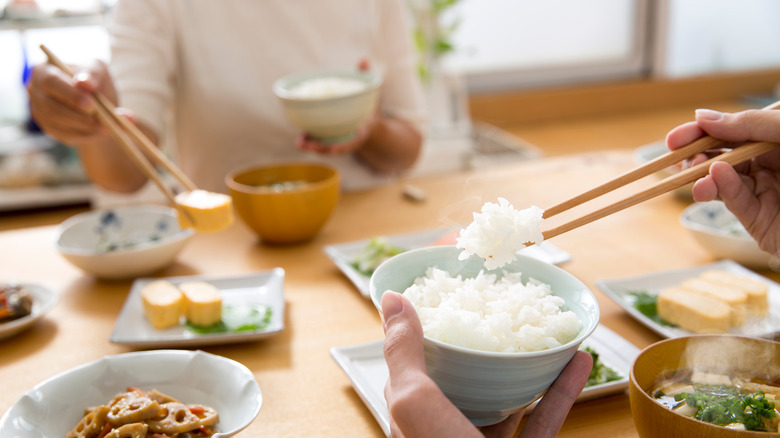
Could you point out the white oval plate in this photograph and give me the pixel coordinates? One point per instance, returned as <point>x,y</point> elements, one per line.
<point>53,407</point>
<point>43,300</point>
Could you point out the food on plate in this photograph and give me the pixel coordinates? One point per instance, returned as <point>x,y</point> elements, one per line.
<point>600,373</point>
<point>327,87</point>
<point>209,211</point>
<point>376,251</point>
<point>757,292</point>
<point>237,318</point>
<point>694,311</point>
<point>136,413</point>
<point>713,302</point>
<point>742,402</point>
<point>499,231</point>
<point>163,303</point>
<point>15,302</point>
<point>489,313</point>
<point>202,303</point>
<point>647,304</point>
<point>735,298</point>
<point>198,306</point>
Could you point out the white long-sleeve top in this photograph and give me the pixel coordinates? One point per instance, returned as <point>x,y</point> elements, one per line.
<point>200,73</point>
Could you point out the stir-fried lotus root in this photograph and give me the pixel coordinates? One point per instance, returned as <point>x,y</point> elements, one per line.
<point>136,413</point>
<point>91,423</point>
<point>131,407</point>
<point>133,430</point>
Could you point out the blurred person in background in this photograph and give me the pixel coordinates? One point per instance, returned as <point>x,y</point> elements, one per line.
<point>750,190</point>
<point>198,75</point>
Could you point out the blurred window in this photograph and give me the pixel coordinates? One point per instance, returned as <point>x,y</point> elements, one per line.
<point>500,44</point>
<point>699,37</point>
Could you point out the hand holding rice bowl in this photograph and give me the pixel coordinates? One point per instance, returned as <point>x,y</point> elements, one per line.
<point>488,386</point>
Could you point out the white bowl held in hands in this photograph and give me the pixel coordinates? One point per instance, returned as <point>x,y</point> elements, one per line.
<point>329,117</point>
<point>489,386</point>
<point>122,242</point>
<point>720,232</point>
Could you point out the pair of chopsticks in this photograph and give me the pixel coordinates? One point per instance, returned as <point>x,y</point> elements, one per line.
<point>137,145</point>
<point>735,156</point>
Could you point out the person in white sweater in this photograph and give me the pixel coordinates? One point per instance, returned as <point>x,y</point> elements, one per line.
<point>197,76</point>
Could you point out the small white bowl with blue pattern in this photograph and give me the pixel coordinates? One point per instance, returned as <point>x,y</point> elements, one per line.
<point>122,242</point>
<point>720,232</point>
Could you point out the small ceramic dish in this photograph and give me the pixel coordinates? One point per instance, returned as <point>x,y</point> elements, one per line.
<point>717,229</point>
<point>43,299</point>
<point>122,242</point>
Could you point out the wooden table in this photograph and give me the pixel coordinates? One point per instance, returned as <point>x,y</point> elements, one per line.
<point>305,393</point>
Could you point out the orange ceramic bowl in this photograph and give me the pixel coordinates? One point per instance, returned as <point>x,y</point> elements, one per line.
<point>285,203</point>
<point>720,354</point>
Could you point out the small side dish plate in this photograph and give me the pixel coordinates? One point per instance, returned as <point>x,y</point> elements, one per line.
<point>264,288</point>
<point>54,406</point>
<point>620,291</point>
<point>43,300</point>
<point>365,366</point>
<point>343,254</point>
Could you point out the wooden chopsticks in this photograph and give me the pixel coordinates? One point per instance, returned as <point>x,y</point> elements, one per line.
<point>735,156</point>
<point>137,145</point>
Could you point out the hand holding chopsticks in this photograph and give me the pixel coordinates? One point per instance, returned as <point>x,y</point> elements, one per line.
<point>125,133</point>
<point>735,156</point>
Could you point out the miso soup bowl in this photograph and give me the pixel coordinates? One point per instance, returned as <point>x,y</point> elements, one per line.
<point>490,386</point>
<point>284,216</point>
<point>720,354</point>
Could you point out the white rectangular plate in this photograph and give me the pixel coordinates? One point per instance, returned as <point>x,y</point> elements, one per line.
<point>365,366</point>
<point>343,254</point>
<point>132,327</point>
<point>619,290</point>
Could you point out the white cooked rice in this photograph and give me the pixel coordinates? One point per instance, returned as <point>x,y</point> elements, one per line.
<point>491,314</point>
<point>499,232</point>
<point>329,86</point>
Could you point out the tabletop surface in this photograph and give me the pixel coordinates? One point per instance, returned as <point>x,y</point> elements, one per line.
<point>304,390</point>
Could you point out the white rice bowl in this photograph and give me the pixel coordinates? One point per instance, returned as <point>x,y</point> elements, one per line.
<point>488,386</point>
